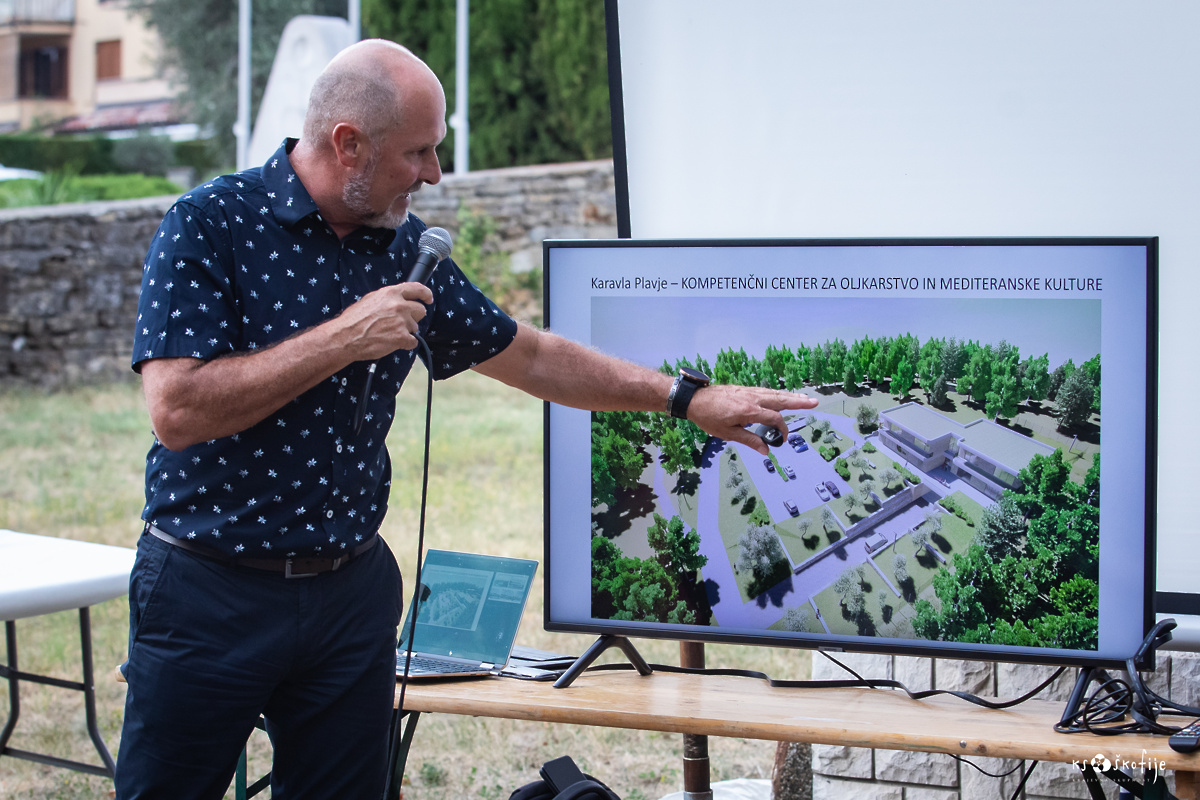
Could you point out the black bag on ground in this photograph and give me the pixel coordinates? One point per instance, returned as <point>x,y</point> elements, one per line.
<point>563,780</point>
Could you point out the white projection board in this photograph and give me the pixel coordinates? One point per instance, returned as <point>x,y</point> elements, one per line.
<point>868,118</point>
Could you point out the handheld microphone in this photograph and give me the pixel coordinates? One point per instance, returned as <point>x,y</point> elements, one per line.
<point>434,245</point>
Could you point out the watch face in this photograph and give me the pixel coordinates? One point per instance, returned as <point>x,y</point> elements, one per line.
<point>695,376</point>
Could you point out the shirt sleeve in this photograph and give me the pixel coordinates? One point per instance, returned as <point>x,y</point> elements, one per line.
<point>187,307</point>
<point>466,328</point>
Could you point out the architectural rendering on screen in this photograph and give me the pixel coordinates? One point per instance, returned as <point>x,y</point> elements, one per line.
<point>946,488</point>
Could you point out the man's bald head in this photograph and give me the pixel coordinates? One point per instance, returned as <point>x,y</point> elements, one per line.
<point>364,85</point>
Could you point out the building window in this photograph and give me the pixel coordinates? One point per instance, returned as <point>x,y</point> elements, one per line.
<point>108,60</point>
<point>43,71</point>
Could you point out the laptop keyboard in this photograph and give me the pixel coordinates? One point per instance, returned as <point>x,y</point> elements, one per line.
<point>429,665</point>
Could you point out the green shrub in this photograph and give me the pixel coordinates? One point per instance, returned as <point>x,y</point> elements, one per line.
<point>149,155</point>
<point>476,253</point>
<point>842,467</point>
<point>910,477</point>
<point>66,186</point>
<point>829,452</point>
<point>953,507</point>
<point>867,447</point>
<point>87,155</point>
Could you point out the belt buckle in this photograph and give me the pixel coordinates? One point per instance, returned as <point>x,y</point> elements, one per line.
<point>288,574</point>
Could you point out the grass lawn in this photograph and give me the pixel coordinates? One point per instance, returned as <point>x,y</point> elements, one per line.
<point>685,502</point>
<point>71,465</point>
<point>731,519</point>
<point>800,548</point>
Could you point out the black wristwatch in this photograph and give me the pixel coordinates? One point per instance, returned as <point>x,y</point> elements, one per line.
<point>687,382</point>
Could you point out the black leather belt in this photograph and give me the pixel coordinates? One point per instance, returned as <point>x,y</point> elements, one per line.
<point>290,567</point>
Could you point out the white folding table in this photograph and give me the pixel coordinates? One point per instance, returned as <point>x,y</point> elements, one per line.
<point>41,575</point>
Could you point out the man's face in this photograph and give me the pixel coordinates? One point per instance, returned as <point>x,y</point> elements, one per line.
<point>401,161</point>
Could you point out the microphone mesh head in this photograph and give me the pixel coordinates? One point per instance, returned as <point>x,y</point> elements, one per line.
<point>436,241</point>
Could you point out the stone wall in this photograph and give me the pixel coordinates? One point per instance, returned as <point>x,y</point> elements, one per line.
<point>845,773</point>
<point>70,275</point>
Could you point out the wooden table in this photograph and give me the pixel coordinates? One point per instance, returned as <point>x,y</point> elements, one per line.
<point>42,575</point>
<point>748,708</point>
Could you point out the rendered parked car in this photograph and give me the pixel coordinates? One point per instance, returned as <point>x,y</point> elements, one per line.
<point>791,508</point>
<point>799,445</point>
<point>822,492</point>
<point>770,465</point>
<point>833,489</point>
<point>791,473</point>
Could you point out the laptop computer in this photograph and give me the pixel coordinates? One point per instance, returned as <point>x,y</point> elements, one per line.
<point>468,612</point>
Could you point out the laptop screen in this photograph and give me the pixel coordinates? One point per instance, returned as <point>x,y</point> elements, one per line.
<point>473,605</point>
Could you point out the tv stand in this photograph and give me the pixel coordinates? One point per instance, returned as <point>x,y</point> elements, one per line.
<point>598,647</point>
<point>1079,693</point>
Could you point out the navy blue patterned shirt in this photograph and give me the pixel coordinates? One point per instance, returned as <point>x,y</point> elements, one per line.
<point>244,262</point>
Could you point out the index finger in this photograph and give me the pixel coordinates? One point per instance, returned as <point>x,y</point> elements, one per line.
<point>417,291</point>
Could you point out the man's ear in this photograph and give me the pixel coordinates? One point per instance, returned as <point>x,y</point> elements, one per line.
<point>350,145</point>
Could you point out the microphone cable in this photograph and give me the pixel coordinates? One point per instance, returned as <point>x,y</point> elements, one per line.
<point>394,740</point>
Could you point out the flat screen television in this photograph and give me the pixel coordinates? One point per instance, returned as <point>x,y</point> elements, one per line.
<point>943,499</point>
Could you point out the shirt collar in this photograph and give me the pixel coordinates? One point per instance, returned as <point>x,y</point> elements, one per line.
<point>290,200</point>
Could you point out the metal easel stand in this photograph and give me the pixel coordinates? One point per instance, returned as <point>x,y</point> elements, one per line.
<point>88,687</point>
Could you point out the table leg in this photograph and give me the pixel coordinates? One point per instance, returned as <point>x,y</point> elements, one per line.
<point>1187,785</point>
<point>399,752</point>
<point>14,692</point>
<point>89,691</point>
<point>695,747</point>
<point>88,687</point>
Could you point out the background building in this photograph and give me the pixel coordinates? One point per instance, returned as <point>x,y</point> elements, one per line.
<point>80,65</point>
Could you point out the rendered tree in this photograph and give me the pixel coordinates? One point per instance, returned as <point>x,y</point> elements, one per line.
<point>849,378</point>
<point>677,455</point>
<point>951,358</point>
<point>1036,381</point>
<point>816,367</point>
<point>1002,528</point>
<point>900,567</point>
<point>867,417</point>
<point>852,501</point>
<point>889,476</point>
<point>1005,395</point>
<point>933,522</point>
<point>938,390</point>
<point>829,519</point>
<point>802,525</point>
<point>920,539</point>
<point>1092,368</point>
<point>678,550</point>
<point>797,619</point>
<point>844,581</point>
<point>604,486</point>
<point>902,378</point>
<point>759,551</point>
<point>1073,404</point>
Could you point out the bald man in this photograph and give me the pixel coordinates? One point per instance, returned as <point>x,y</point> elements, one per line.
<point>261,585</point>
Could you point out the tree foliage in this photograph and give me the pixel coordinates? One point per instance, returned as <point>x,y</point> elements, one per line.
<point>678,550</point>
<point>200,45</point>
<point>538,74</point>
<point>1073,403</point>
<point>1040,593</point>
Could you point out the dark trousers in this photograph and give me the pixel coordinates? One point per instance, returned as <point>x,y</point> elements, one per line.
<point>211,647</point>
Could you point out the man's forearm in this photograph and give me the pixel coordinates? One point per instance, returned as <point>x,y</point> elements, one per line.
<point>567,373</point>
<point>561,371</point>
<point>193,401</point>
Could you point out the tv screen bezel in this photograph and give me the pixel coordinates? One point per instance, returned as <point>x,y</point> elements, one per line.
<point>864,644</point>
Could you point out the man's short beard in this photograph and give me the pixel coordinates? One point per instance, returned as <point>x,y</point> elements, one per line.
<point>356,194</point>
